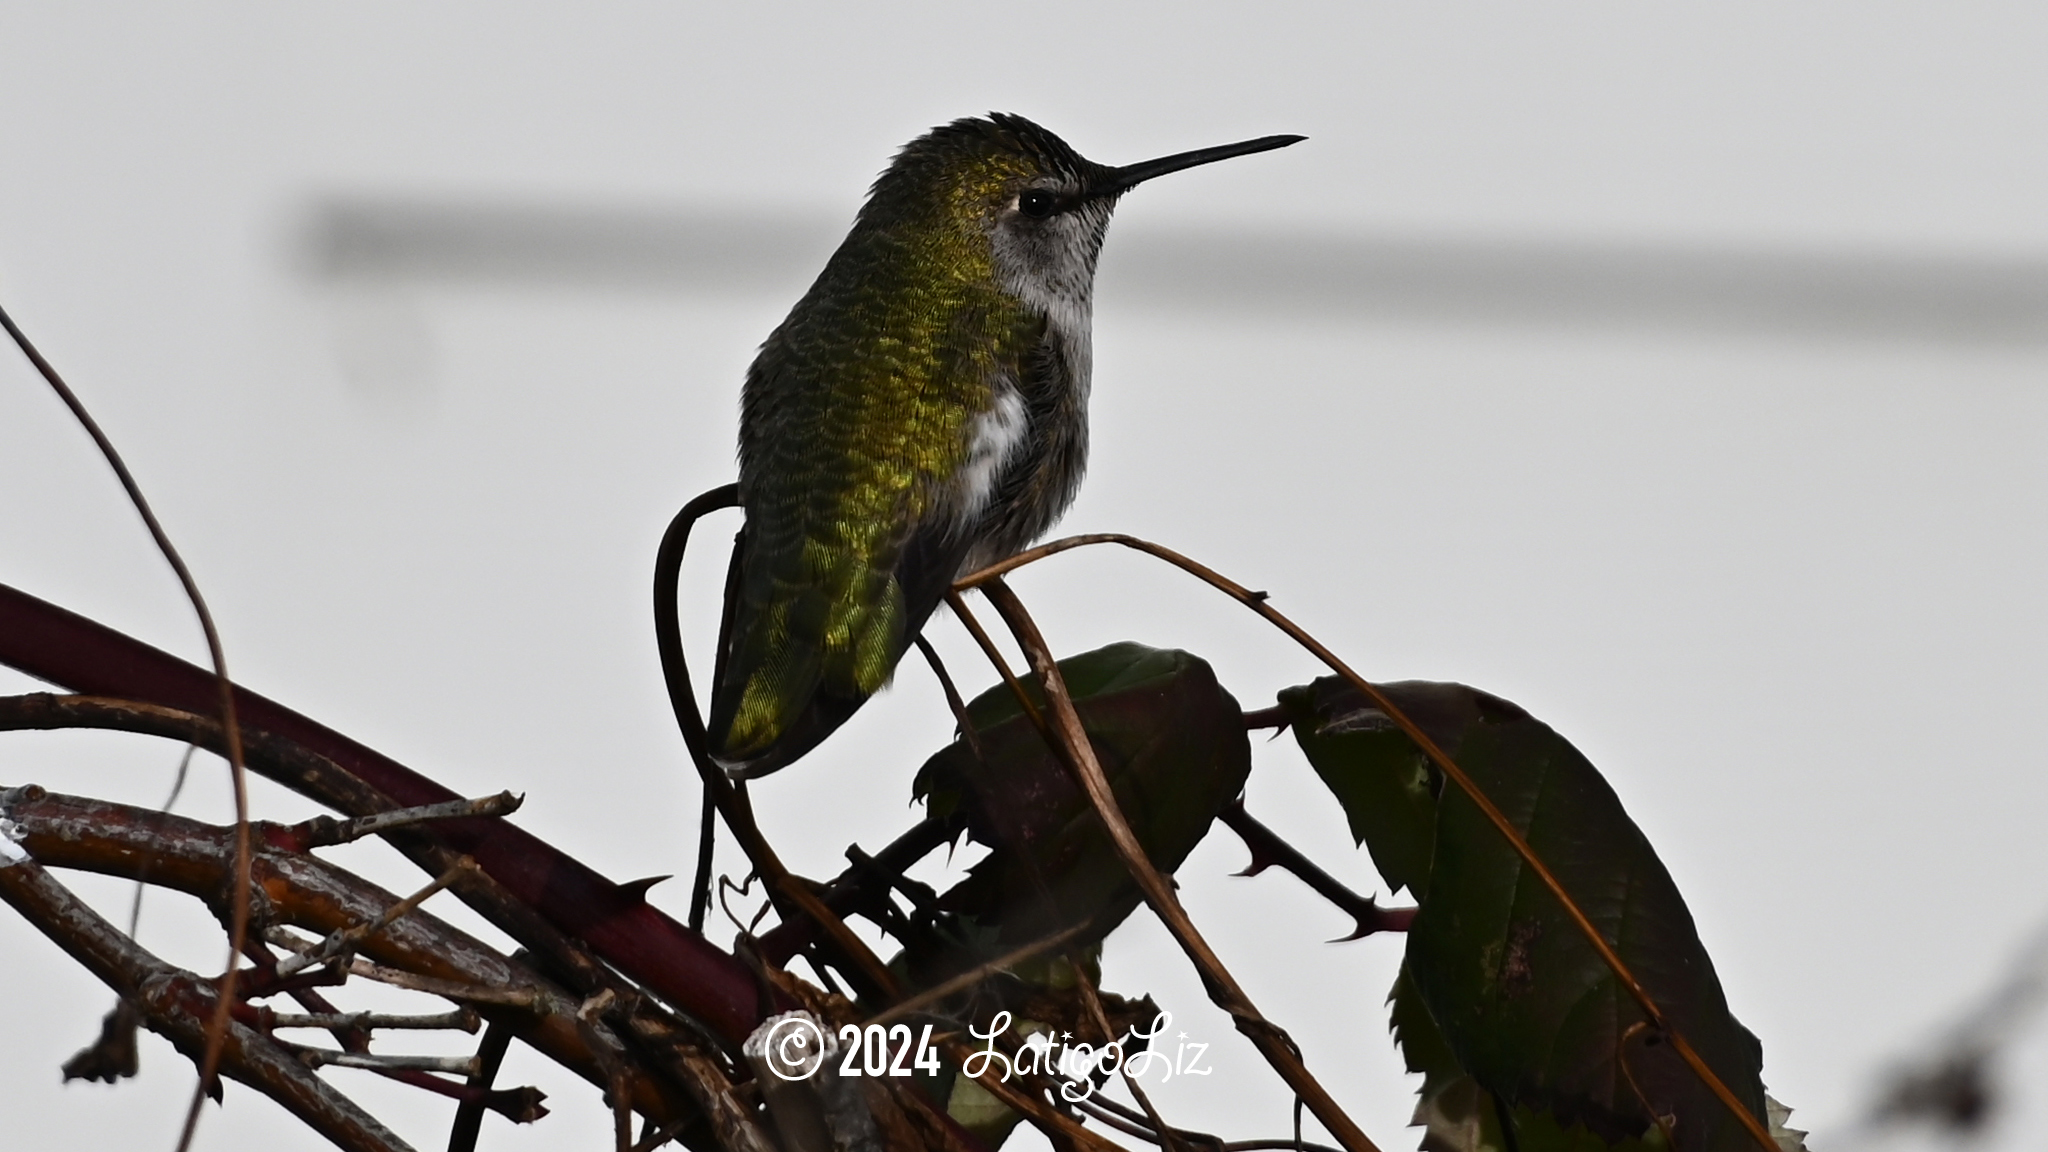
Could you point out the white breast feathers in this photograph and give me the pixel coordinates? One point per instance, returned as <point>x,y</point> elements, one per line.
<point>997,435</point>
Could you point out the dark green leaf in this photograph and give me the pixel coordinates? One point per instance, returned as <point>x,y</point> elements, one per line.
<point>1520,999</point>
<point>1386,786</point>
<point>1173,745</point>
<point>1457,1115</point>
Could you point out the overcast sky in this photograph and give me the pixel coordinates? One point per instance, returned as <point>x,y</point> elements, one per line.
<point>1778,574</point>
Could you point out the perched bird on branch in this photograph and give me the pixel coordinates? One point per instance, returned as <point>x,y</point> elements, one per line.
<point>921,413</point>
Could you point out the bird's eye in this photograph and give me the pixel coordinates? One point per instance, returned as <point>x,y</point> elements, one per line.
<point>1036,203</point>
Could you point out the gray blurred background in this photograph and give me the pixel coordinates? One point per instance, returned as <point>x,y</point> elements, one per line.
<point>1681,374</point>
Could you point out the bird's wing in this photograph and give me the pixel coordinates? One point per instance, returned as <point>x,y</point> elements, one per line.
<point>849,440</point>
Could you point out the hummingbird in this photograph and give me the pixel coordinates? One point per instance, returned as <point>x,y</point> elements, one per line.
<point>921,413</point>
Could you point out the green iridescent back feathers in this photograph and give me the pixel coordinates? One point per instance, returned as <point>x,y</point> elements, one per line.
<point>858,412</point>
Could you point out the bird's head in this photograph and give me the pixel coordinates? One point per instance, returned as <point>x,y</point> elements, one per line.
<point>1003,184</point>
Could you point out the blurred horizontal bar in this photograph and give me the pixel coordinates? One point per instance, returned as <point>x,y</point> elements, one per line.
<point>1311,277</point>
<point>707,250</point>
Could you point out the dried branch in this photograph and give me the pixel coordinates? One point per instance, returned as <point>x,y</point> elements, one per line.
<point>344,941</point>
<point>324,831</point>
<point>564,958</point>
<point>189,856</point>
<point>519,1105</point>
<point>321,1057</point>
<point>460,1020</point>
<point>1002,666</point>
<point>1074,748</point>
<point>954,701</point>
<point>541,885</point>
<point>1256,601</point>
<point>179,1005</point>
<point>446,989</point>
<point>1094,1110</point>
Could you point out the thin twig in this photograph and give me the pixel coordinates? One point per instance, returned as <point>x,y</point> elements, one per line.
<point>1002,666</point>
<point>1133,1116</point>
<point>326,831</point>
<point>446,989</point>
<point>322,1057</point>
<point>977,974</point>
<point>469,1115</point>
<point>460,1020</point>
<point>954,700</point>
<point>1256,601</point>
<point>113,1056</point>
<point>733,1123</point>
<point>1016,843</point>
<point>618,1077</point>
<point>347,940</point>
<point>621,1095</point>
<point>519,1105</point>
<point>1050,1120</point>
<point>1159,1133</point>
<point>308,998</point>
<point>1127,1119</point>
<point>142,881</point>
<point>1628,1074</point>
<point>238,919</point>
<point>1079,753</point>
<point>1166,1135</point>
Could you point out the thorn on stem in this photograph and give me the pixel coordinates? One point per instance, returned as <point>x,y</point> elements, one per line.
<point>637,890</point>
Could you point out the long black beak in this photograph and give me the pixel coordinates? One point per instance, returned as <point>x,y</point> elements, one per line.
<point>1129,176</point>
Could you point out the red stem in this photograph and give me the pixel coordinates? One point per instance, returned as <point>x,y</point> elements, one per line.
<point>645,944</point>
